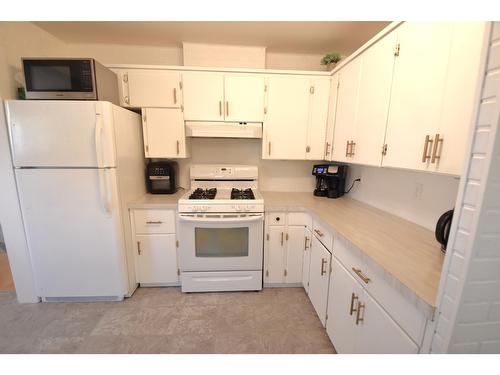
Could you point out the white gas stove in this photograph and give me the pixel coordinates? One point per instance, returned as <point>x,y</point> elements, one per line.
<point>221,226</point>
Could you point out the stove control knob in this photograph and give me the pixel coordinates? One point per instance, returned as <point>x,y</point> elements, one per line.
<point>204,208</point>
<point>238,208</point>
<point>248,208</point>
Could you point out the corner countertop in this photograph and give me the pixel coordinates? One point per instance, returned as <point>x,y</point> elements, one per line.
<point>405,250</point>
<point>160,201</point>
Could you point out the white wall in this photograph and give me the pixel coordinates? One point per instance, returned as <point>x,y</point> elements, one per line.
<point>468,319</point>
<point>274,175</point>
<point>294,61</point>
<point>415,196</point>
<point>219,55</point>
<point>22,39</point>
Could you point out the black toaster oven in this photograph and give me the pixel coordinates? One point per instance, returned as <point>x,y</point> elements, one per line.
<point>161,177</point>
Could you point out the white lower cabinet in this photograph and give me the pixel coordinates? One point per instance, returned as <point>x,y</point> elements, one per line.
<point>357,323</point>
<point>319,275</point>
<point>274,255</point>
<point>155,247</point>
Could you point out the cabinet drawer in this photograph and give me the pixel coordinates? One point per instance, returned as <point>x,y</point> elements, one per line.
<point>380,286</point>
<point>276,218</point>
<point>323,234</point>
<point>154,221</point>
<point>300,218</point>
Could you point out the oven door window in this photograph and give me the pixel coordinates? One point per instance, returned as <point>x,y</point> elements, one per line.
<point>221,242</point>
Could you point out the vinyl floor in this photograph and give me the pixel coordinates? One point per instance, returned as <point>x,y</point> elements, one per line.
<point>164,320</point>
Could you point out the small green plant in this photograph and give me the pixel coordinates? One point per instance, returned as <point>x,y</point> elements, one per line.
<point>331,58</point>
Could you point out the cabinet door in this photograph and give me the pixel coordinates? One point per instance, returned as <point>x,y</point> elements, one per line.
<point>332,109</point>
<point>343,296</point>
<point>287,117</point>
<point>275,255</point>
<point>154,88</point>
<point>163,131</point>
<point>347,103</point>
<point>156,259</point>
<point>378,333</point>
<point>306,261</point>
<point>319,275</point>
<point>417,92</point>
<point>294,254</point>
<point>316,136</point>
<point>203,96</point>
<point>244,98</point>
<point>459,96</point>
<point>373,101</point>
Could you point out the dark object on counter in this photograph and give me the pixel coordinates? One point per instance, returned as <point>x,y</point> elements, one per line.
<point>161,177</point>
<point>330,180</point>
<point>443,229</point>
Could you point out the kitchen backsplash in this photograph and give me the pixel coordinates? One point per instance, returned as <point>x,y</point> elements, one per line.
<point>415,196</point>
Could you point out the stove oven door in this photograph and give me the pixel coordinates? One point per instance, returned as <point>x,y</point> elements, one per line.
<point>221,242</point>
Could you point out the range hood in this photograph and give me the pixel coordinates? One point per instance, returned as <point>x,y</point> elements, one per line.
<point>219,129</point>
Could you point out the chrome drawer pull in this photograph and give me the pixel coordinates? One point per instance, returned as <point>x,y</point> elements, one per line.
<point>318,232</point>
<point>154,222</point>
<point>358,272</point>
<point>360,318</point>
<point>354,297</point>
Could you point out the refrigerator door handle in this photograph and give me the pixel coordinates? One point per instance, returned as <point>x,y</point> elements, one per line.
<point>98,140</point>
<point>103,190</point>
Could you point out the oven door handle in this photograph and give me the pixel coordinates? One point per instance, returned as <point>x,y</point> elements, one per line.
<point>221,218</point>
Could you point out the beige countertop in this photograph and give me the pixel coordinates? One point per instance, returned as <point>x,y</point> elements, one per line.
<point>405,250</point>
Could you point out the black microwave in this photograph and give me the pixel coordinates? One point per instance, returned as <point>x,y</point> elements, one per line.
<point>69,79</point>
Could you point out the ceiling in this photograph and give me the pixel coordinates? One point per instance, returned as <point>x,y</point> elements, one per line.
<point>286,36</point>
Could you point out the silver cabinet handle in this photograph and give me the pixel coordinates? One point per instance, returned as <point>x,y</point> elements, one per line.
<point>319,233</point>
<point>323,262</point>
<point>353,148</point>
<point>354,297</point>
<point>220,107</point>
<point>428,142</point>
<point>227,108</point>
<point>437,141</point>
<point>306,245</point>
<point>139,247</point>
<point>154,222</point>
<point>126,100</point>
<point>269,150</point>
<point>175,95</point>
<point>281,238</point>
<point>360,318</point>
<point>178,148</point>
<point>358,272</point>
<point>327,151</point>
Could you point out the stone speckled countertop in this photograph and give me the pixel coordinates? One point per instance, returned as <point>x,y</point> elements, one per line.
<point>407,251</point>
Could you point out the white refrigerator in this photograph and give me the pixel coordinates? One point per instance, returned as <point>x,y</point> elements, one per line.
<point>77,165</point>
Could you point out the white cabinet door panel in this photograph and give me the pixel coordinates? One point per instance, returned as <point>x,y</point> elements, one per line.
<point>332,109</point>
<point>417,92</point>
<point>379,334</point>
<point>287,117</point>
<point>275,253</point>
<point>319,275</point>
<point>154,88</point>
<point>164,134</point>
<point>244,98</point>
<point>373,101</point>
<point>318,119</point>
<point>156,259</point>
<point>294,254</point>
<point>343,296</point>
<point>203,95</point>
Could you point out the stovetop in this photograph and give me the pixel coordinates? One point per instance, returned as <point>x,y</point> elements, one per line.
<point>200,193</point>
<point>222,199</point>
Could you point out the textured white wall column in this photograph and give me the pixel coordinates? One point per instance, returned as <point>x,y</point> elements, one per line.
<point>468,316</point>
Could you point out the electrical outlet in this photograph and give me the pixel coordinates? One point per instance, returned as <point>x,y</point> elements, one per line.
<point>419,190</point>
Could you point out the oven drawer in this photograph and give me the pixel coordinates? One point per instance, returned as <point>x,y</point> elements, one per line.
<point>221,281</point>
<point>154,221</point>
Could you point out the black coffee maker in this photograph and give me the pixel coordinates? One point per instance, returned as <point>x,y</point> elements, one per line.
<point>330,180</point>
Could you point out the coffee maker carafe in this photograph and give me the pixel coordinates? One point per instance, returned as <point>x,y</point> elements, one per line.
<point>330,180</point>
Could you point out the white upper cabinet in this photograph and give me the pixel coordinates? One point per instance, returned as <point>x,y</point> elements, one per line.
<point>203,96</point>
<point>163,132</point>
<point>212,96</point>
<point>417,93</point>
<point>332,109</point>
<point>285,126</point>
<point>373,101</point>
<point>347,104</point>
<point>151,88</point>
<point>244,98</point>
<point>316,133</point>
<point>458,100</point>
<point>296,119</point>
